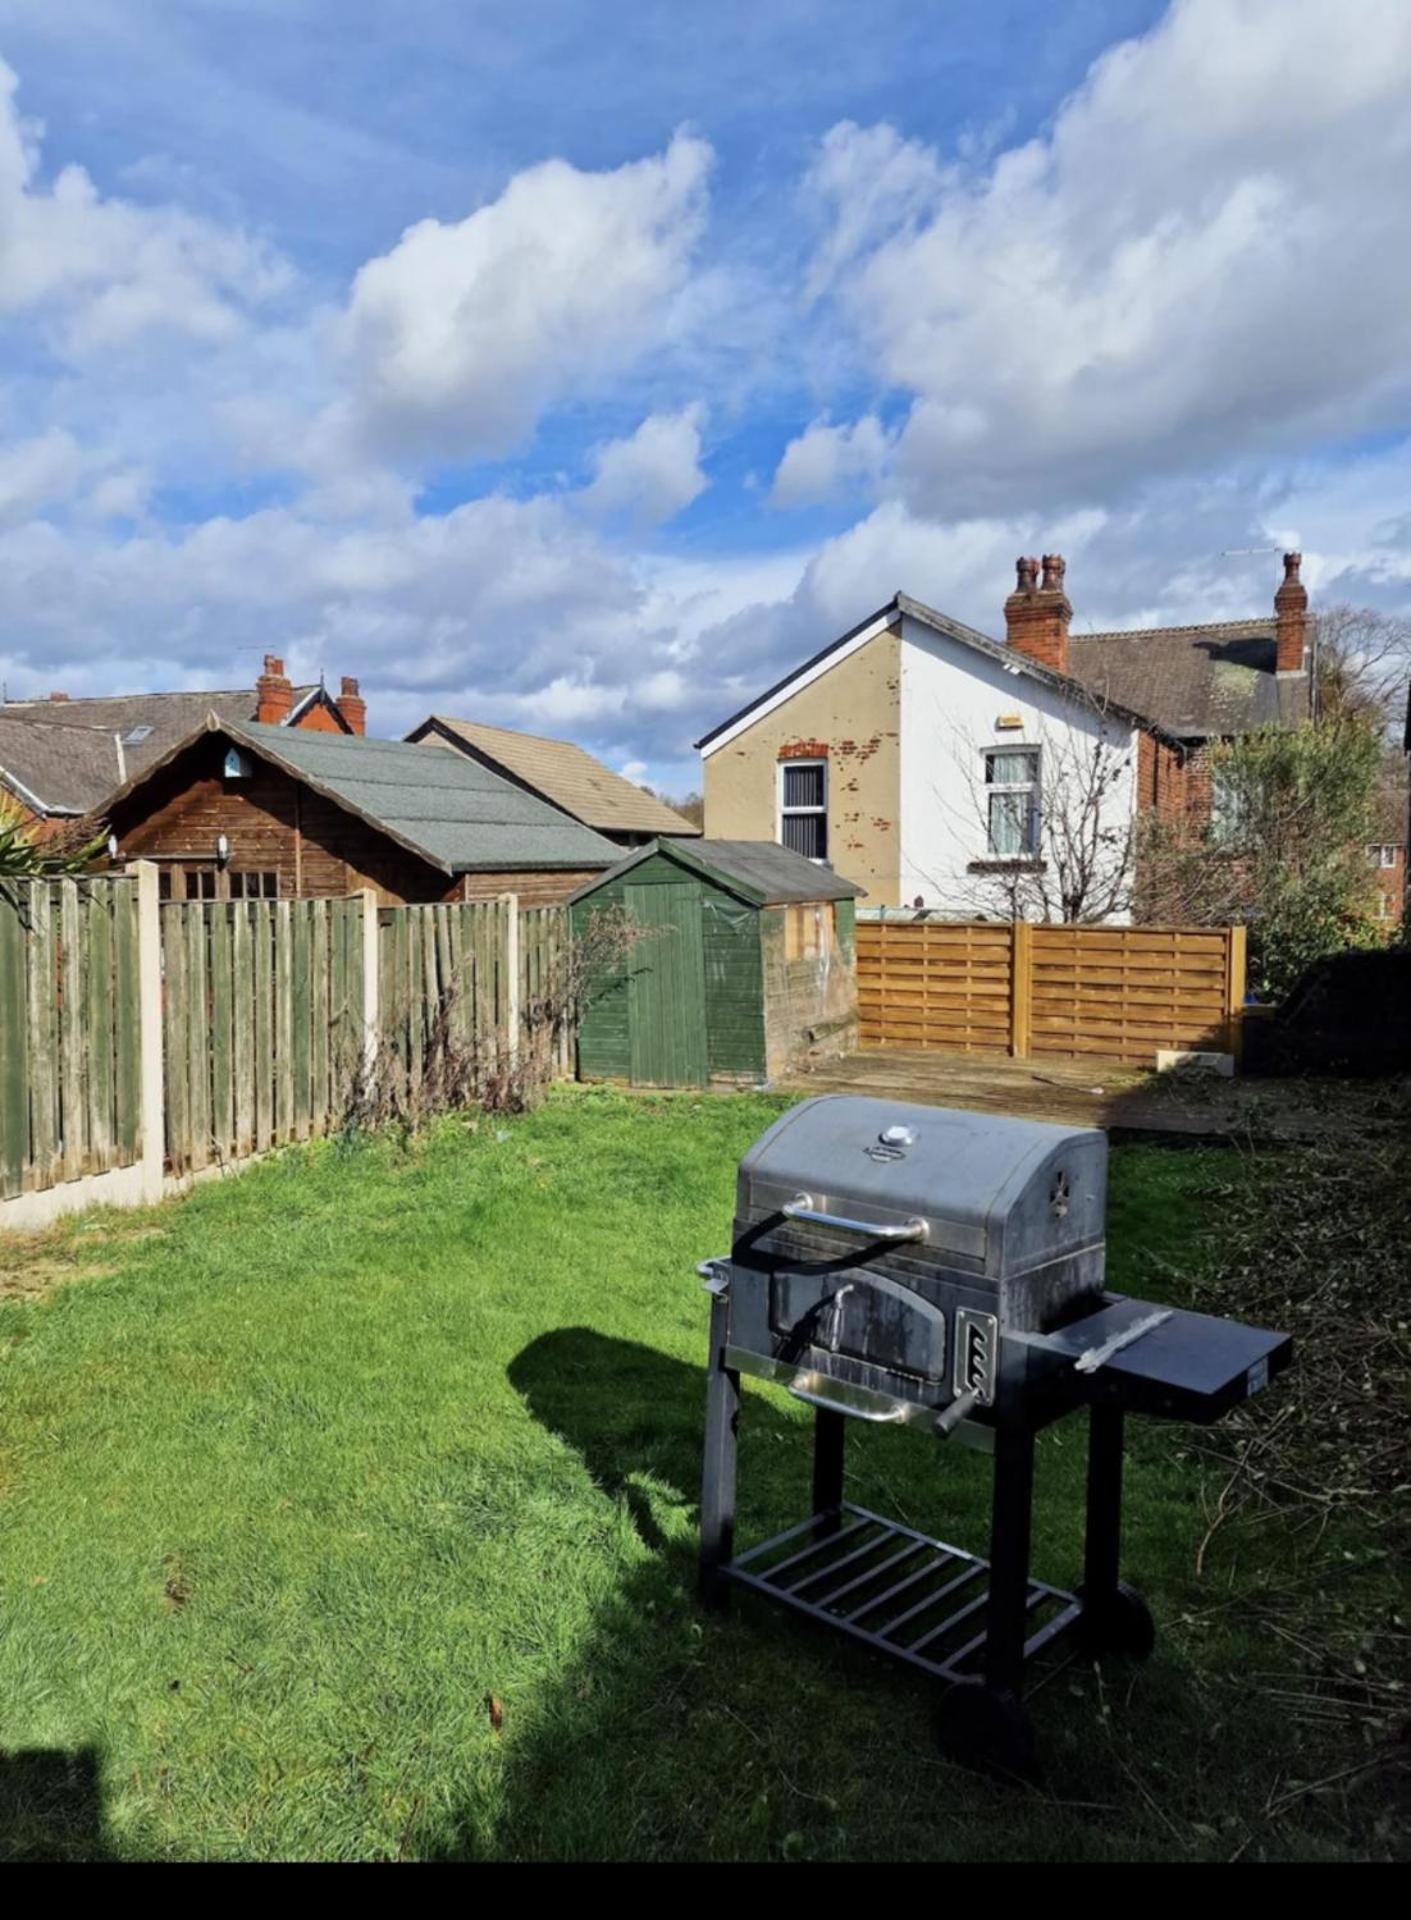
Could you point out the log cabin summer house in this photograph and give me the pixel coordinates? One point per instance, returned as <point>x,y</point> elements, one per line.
<point>60,759</point>
<point>920,758</point>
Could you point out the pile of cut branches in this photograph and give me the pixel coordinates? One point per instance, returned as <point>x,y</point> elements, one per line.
<point>1315,1238</point>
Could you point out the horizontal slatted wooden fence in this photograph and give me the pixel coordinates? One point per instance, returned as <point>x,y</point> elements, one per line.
<point>1124,993</point>
<point>1056,992</point>
<point>70,1097</point>
<point>941,984</point>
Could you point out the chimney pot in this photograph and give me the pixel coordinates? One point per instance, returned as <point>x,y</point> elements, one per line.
<point>1291,619</point>
<point>274,697</point>
<point>352,706</point>
<point>1037,613</point>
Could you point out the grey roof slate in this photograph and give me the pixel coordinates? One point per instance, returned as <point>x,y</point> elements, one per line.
<point>168,716</point>
<point>58,769</point>
<point>456,812</point>
<point>762,871</point>
<point>1197,682</point>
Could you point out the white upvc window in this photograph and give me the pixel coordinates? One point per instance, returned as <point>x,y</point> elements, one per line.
<point>803,807</point>
<point>1385,856</point>
<point>1012,802</point>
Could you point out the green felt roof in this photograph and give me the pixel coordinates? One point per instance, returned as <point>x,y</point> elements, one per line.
<point>759,871</point>
<point>452,810</point>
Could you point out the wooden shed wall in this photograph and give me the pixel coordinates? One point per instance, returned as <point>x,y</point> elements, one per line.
<point>734,993</point>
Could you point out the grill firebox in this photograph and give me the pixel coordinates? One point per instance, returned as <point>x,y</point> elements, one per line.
<point>944,1271</point>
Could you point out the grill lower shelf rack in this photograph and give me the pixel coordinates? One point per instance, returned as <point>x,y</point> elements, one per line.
<point>898,1591</point>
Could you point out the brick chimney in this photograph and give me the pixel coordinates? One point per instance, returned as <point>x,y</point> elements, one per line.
<point>1037,613</point>
<point>58,696</point>
<point>274,695</point>
<point>352,706</point>
<point>1291,617</point>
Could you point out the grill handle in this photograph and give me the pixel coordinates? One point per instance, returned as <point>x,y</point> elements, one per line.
<point>801,1207</point>
<point>887,1416</point>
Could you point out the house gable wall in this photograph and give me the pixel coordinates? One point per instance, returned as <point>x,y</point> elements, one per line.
<point>953,700</point>
<point>849,714</point>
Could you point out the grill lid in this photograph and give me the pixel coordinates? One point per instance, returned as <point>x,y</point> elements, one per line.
<point>1010,1193</point>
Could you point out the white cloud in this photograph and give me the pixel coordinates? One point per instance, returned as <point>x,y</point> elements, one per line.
<point>826,460</point>
<point>1206,257</point>
<point>655,472</point>
<point>36,473</point>
<point>105,270</point>
<point>459,337</point>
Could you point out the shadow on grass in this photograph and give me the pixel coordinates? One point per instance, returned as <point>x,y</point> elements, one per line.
<point>51,1806</point>
<point>654,1743</point>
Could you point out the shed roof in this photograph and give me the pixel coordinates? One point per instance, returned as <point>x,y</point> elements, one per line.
<point>445,807</point>
<point>563,773</point>
<point>759,871</point>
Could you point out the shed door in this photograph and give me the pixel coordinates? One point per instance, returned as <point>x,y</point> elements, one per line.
<point>666,987</point>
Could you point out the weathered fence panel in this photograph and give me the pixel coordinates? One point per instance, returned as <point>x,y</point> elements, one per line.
<point>184,1036</point>
<point>70,1083</point>
<point>263,1022</point>
<point>1055,992</point>
<point>445,963</point>
<point>543,981</point>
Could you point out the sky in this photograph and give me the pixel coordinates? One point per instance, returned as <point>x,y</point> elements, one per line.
<point>581,367</point>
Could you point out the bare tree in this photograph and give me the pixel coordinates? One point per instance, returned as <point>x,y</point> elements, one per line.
<point>1361,663</point>
<point>1078,858</point>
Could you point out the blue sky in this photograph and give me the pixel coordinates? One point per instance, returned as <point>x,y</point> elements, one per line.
<point>577,367</point>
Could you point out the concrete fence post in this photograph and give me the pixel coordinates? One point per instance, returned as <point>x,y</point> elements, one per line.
<point>372,984</point>
<point>152,1078</point>
<point>510,962</point>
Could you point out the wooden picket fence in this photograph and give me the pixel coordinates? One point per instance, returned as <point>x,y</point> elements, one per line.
<point>70,1096</point>
<point>1050,992</point>
<point>144,1042</point>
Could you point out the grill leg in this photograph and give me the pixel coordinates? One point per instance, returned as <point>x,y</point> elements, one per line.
<point>1007,1614</point>
<point>1102,1546</point>
<point>718,1475</point>
<point>829,1431</point>
<point>1115,1619</point>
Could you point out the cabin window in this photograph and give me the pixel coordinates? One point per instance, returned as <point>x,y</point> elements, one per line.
<point>1012,802</point>
<point>803,807</point>
<point>254,886</point>
<point>238,765</point>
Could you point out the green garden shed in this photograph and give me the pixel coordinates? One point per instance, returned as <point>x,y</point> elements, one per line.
<point>744,964</point>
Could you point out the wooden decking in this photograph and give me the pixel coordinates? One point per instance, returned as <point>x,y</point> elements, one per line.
<point>1097,1093</point>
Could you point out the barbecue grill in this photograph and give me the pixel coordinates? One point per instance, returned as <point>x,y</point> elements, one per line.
<point>913,1266</point>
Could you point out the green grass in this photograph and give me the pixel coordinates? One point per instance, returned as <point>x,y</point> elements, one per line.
<point>299,1475</point>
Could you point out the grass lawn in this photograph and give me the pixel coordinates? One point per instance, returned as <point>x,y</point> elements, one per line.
<point>347,1510</point>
